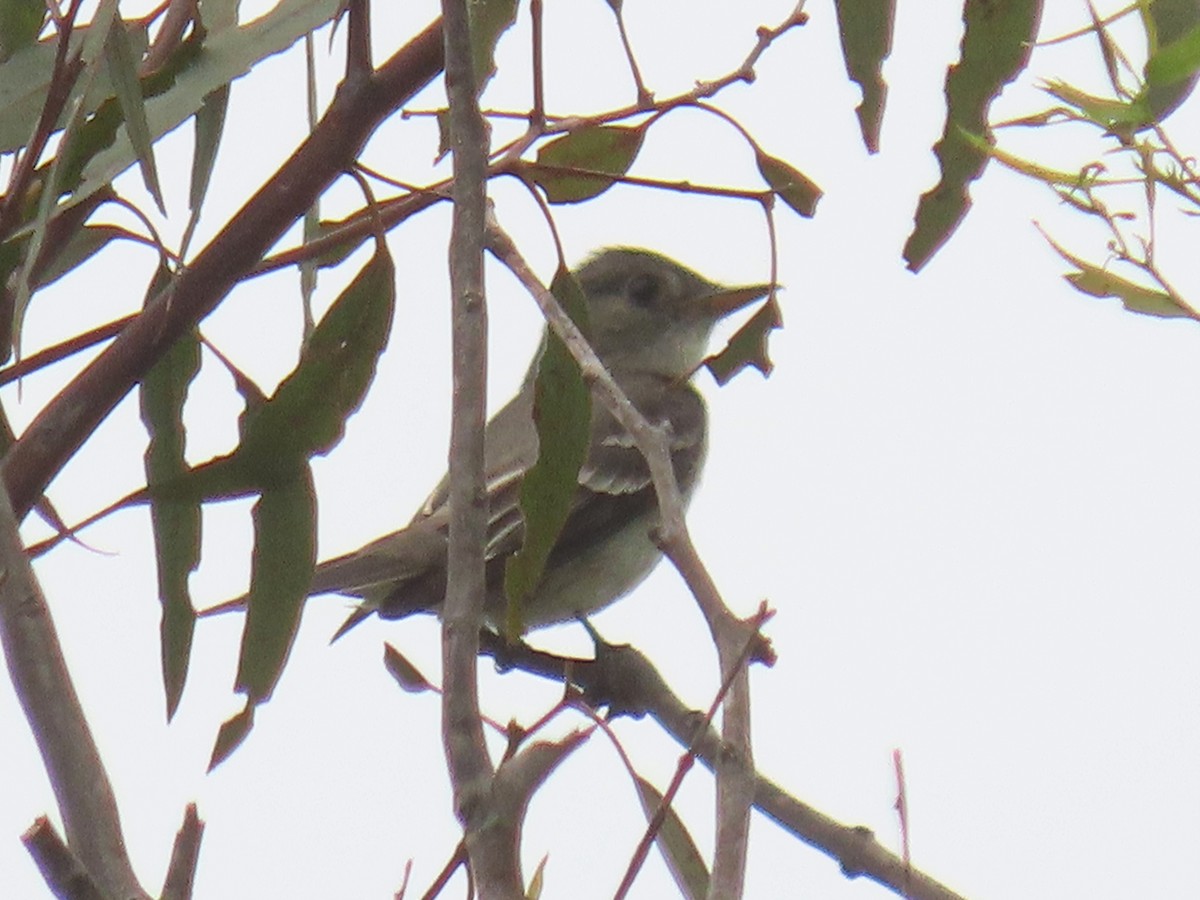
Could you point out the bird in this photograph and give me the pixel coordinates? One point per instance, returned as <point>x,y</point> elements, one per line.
<point>650,320</point>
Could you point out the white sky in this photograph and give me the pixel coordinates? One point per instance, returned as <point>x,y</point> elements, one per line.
<point>969,495</point>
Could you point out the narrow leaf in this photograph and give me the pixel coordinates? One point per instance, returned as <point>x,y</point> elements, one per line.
<point>792,186</point>
<point>233,731</point>
<point>227,55</point>
<point>210,124</point>
<point>175,523</point>
<point>1096,281</point>
<point>996,43</point>
<point>1104,112</point>
<point>80,247</point>
<point>562,411</point>
<point>285,554</point>
<point>307,414</point>
<point>25,78</point>
<point>866,28</point>
<point>407,675</point>
<point>598,150</point>
<point>676,844</point>
<point>488,19</point>
<point>122,67</point>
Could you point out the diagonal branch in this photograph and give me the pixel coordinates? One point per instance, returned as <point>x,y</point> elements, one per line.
<point>357,109</point>
<point>43,685</point>
<point>734,788</point>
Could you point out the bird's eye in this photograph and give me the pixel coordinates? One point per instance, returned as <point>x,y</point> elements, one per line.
<point>643,289</point>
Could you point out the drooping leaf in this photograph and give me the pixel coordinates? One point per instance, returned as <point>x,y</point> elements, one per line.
<point>996,43</point>
<point>1096,281</point>
<point>598,150</point>
<point>676,844</point>
<point>307,414</point>
<point>81,246</point>
<point>233,731</point>
<point>407,675</point>
<point>488,19</point>
<point>227,55</point>
<point>175,523</point>
<point>866,29</point>
<point>285,554</point>
<point>748,346</point>
<point>210,124</point>
<point>25,80</point>
<point>791,185</point>
<point>122,66</point>
<point>562,412</point>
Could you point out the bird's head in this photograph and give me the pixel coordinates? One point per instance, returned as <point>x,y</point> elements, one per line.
<point>649,314</point>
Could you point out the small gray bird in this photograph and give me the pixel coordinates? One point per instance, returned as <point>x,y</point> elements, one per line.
<point>650,321</point>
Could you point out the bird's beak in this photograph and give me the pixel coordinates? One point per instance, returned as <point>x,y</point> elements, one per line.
<point>729,300</point>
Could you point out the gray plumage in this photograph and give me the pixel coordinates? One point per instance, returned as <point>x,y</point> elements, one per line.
<point>650,323</point>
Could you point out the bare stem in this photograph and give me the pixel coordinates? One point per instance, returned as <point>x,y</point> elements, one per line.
<point>490,840</point>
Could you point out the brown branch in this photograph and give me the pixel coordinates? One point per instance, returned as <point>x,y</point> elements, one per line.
<point>43,685</point>
<point>62,871</point>
<point>357,109</point>
<point>628,682</point>
<point>185,854</point>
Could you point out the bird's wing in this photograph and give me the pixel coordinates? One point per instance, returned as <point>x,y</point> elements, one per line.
<point>614,481</point>
<point>510,449</point>
<point>614,486</point>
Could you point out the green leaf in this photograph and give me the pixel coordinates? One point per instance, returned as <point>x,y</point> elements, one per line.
<point>210,124</point>
<point>792,186</point>
<point>233,732</point>
<point>996,43</point>
<point>487,20</point>
<point>25,79</point>
<point>1173,66</point>
<point>227,55</point>
<point>176,523</point>
<point>598,150</point>
<point>407,675</point>
<point>20,23</point>
<point>748,346</point>
<point>1176,61</point>
<point>1096,281</point>
<point>122,66</point>
<point>307,414</point>
<point>443,124</point>
<point>562,412</point>
<point>676,844</point>
<point>1104,112</point>
<point>866,28</point>
<point>85,243</point>
<point>285,554</point>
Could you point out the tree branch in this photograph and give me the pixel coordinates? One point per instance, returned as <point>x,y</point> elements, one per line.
<point>489,839</point>
<point>629,683</point>
<point>357,109</point>
<point>43,685</point>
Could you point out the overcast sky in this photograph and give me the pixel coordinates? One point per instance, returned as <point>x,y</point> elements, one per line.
<point>969,494</point>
